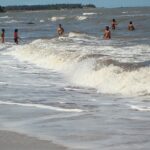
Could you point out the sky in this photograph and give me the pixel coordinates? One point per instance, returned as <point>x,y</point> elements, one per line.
<point>97,3</point>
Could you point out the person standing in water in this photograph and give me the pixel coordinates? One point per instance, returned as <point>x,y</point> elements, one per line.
<point>131,26</point>
<point>107,33</point>
<point>16,37</point>
<point>3,35</point>
<point>60,30</point>
<point>113,24</point>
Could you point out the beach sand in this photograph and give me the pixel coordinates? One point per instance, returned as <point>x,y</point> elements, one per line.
<point>15,141</point>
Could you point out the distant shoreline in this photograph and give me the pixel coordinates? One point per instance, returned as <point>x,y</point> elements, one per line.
<point>22,8</point>
<point>45,7</point>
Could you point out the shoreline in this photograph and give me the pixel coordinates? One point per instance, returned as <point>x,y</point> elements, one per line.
<point>15,141</point>
<point>47,10</point>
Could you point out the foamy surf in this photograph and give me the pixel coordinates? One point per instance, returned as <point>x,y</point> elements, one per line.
<point>40,106</point>
<point>42,21</point>
<point>5,17</point>
<point>80,35</point>
<point>140,108</point>
<point>81,18</point>
<point>13,21</point>
<point>57,18</point>
<point>85,68</point>
<point>89,13</point>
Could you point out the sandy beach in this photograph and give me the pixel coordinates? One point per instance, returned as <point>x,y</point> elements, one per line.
<point>15,141</point>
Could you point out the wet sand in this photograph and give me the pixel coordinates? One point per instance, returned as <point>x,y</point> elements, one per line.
<point>15,141</point>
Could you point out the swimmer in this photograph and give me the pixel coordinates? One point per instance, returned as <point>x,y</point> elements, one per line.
<point>16,37</point>
<point>107,33</point>
<point>131,26</point>
<point>60,30</point>
<point>3,35</point>
<point>113,24</point>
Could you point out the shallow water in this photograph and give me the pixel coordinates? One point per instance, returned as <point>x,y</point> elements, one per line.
<point>78,90</point>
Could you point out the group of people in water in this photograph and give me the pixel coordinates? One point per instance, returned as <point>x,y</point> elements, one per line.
<point>107,32</point>
<point>16,37</point>
<point>60,31</point>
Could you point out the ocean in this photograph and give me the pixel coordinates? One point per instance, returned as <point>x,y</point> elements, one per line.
<point>78,90</point>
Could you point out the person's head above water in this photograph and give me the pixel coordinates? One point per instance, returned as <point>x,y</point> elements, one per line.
<point>130,22</point>
<point>16,30</point>
<point>60,25</point>
<point>107,27</point>
<point>3,30</point>
<point>113,20</point>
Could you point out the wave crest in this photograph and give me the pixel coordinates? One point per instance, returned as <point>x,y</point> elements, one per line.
<point>57,18</point>
<point>89,13</point>
<point>81,18</point>
<point>85,68</point>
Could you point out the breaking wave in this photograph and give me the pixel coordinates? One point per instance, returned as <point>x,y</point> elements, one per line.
<point>42,21</point>
<point>140,108</point>
<point>81,18</point>
<point>89,14</point>
<point>12,21</point>
<point>122,70</point>
<point>5,17</point>
<point>57,18</point>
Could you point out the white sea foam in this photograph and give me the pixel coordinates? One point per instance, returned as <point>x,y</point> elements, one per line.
<point>57,18</point>
<point>80,38</point>
<point>81,18</point>
<point>113,79</point>
<point>124,12</point>
<point>5,17</point>
<point>84,68</point>
<point>76,34</point>
<point>89,13</point>
<point>42,21</point>
<point>134,15</point>
<point>12,21</point>
<point>41,106</point>
<point>140,108</point>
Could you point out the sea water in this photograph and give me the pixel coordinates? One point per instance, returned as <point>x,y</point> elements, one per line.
<point>78,90</point>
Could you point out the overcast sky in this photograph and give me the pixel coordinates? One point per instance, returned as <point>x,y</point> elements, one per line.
<point>98,3</point>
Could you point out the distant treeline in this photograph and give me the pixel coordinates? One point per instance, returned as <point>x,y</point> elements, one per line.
<point>2,9</point>
<point>46,7</point>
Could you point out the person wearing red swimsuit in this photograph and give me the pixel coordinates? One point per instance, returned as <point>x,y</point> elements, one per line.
<point>113,24</point>
<point>16,37</point>
<point>3,35</point>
